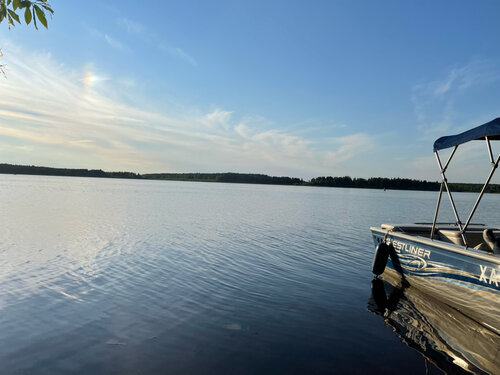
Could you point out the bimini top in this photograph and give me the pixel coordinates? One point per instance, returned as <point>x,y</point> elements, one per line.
<point>490,129</point>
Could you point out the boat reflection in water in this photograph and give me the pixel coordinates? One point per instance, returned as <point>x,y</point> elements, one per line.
<point>450,340</point>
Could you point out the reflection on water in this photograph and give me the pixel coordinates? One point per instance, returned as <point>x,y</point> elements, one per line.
<point>453,342</point>
<point>109,276</point>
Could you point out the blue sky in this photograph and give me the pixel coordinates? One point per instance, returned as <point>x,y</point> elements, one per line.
<point>359,88</point>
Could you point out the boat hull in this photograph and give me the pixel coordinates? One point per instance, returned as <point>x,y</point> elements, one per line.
<point>466,279</point>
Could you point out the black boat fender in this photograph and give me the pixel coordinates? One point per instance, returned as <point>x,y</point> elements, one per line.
<point>380,258</point>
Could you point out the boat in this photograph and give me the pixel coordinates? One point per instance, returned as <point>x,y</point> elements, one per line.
<point>446,338</point>
<point>457,262</point>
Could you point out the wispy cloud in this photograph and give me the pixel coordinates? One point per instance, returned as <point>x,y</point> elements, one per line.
<point>183,55</point>
<point>445,106</point>
<point>458,79</point>
<point>348,146</point>
<point>435,102</point>
<point>134,27</point>
<point>178,53</point>
<point>475,73</point>
<point>131,26</point>
<point>49,110</point>
<point>305,154</point>
<point>111,41</point>
<point>217,119</point>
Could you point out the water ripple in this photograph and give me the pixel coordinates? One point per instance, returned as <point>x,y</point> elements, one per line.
<point>118,276</point>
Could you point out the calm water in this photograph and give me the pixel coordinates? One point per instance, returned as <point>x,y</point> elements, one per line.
<point>137,277</point>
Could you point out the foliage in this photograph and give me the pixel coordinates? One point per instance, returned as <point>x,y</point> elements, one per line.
<point>375,183</point>
<point>398,184</point>
<point>252,178</point>
<point>30,11</point>
<point>46,171</point>
<point>243,178</point>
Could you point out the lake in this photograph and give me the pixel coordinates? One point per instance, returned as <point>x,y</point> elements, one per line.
<point>112,276</point>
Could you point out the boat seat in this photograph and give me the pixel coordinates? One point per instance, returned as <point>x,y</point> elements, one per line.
<point>451,235</point>
<point>492,241</point>
<point>482,246</point>
<point>474,238</point>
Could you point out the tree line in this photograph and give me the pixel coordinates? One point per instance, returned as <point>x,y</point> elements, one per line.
<point>244,178</point>
<point>398,184</point>
<point>376,183</point>
<point>252,178</point>
<point>47,171</point>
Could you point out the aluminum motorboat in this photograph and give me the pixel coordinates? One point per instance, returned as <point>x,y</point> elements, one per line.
<point>457,262</point>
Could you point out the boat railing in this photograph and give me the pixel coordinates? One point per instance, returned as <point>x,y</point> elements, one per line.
<point>462,227</point>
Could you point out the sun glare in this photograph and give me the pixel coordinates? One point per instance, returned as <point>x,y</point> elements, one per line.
<point>88,78</point>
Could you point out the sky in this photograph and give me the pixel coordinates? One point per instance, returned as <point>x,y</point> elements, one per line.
<point>285,88</point>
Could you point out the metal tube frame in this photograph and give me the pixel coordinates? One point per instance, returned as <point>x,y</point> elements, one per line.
<point>494,165</point>
<point>441,188</point>
<point>444,183</point>
<point>437,211</point>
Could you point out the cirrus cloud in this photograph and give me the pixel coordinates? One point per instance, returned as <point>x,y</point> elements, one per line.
<point>51,116</point>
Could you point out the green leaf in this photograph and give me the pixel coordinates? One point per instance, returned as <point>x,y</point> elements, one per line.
<point>34,19</point>
<point>14,15</point>
<point>8,2</point>
<point>40,15</point>
<point>27,16</point>
<point>48,8</point>
<point>15,4</point>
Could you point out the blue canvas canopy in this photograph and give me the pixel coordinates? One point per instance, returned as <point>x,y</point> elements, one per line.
<point>490,129</point>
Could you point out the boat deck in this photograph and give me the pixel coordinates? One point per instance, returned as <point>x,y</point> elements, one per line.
<point>446,232</point>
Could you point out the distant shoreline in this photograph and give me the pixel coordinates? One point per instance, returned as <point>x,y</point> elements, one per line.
<point>251,178</point>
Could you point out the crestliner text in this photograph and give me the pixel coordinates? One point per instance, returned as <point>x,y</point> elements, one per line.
<point>411,249</point>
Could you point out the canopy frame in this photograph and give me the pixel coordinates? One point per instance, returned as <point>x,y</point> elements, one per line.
<point>490,130</point>
<point>444,185</point>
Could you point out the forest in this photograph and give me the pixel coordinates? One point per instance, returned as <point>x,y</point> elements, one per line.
<point>252,178</point>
